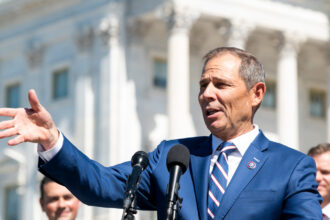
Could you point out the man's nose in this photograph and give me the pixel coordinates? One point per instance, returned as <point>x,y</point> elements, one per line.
<point>209,92</point>
<point>61,203</point>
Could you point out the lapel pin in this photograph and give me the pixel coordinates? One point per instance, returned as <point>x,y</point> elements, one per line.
<point>251,165</point>
<point>256,159</point>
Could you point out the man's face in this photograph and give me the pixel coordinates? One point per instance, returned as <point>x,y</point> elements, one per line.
<point>225,101</point>
<point>323,175</point>
<point>59,203</point>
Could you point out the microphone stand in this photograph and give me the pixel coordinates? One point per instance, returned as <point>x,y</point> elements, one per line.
<point>129,203</point>
<point>139,162</point>
<point>130,211</point>
<point>175,209</point>
<point>174,201</point>
<point>177,162</point>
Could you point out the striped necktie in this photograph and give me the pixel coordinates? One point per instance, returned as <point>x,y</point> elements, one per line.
<point>219,177</point>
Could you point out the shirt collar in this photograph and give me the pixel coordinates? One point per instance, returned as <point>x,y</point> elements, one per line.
<point>326,210</point>
<point>242,142</point>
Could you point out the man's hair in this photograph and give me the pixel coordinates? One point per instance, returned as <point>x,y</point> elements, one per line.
<point>319,149</point>
<point>42,184</point>
<point>250,70</point>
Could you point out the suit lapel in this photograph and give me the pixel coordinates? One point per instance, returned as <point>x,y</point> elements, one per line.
<point>200,165</point>
<point>243,174</point>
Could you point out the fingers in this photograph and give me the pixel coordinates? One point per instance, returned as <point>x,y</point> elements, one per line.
<point>6,124</point>
<point>9,112</point>
<point>34,101</point>
<point>8,133</point>
<point>17,140</point>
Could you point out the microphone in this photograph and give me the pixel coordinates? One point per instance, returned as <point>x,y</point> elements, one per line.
<point>139,162</point>
<point>177,162</point>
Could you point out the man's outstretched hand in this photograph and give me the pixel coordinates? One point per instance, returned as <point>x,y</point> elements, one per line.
<point>33,124</point>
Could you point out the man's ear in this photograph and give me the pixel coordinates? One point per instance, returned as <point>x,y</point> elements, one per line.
<point>257,93</point>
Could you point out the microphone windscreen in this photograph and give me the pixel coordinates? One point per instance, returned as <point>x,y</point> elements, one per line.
<point>178,155</point>
<point>140,158</point>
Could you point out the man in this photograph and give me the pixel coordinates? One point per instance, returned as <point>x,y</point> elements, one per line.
<point>321,155</point>
<point>254,178</point>
<point>57,201</point>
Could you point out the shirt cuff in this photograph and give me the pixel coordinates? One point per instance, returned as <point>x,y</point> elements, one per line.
<point>49,154</point>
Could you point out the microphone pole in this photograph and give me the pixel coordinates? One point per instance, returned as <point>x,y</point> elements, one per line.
<point>177,162</point>
<point>139,162</point>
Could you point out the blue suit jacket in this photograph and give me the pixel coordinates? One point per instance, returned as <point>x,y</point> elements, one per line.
<point>281,186</point>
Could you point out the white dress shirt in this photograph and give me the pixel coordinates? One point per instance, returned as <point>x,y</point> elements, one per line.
<point>49,154</point>
<point>242,143</point>
<point>326,212</point>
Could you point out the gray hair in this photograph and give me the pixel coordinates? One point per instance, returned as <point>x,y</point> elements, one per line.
<point>250,70</point>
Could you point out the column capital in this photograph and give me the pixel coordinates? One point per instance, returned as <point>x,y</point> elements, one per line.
<point>35,52</point>
<point>239,32</point>
<point>84,38</point>
<point>289,42</point>
<point>109,29</point>
<point>177,17</point>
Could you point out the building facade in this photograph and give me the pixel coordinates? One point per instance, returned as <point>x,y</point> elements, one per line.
<point>120,76</point>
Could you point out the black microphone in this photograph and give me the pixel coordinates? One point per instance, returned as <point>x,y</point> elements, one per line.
<point>177,162</point>
<point>139,162</point>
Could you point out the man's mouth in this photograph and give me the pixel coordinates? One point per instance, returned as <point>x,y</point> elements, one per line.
<point>64,213</point>
<point>211,112</point>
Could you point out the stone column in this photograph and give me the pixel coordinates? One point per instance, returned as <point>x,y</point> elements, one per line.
<point>119,131</point>
<point>84,99</point>
<point>110,92</point>
<point>238,33</point>
<point>84,94</point>
<point>287,91</point>
<point>179,21</point>
<point>27,174</point>
<point>109,117</point>
<point>30,198</point>
<point>328,94</point>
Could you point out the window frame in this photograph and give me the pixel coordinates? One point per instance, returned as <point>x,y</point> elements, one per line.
<point>270,84</point>
<point>321,93</point>
<point>18,206</point>
<point>55,73</point>
<point>159,59</point>
<point>7,99</point>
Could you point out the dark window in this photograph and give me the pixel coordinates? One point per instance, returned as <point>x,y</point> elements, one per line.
<point>160,73</point>
<point>13,96</point>
<point>60,84</point>
<point>317,103</point>
<point>12,203</point>
<point>269,100</point>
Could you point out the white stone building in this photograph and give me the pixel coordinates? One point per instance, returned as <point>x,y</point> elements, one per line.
<point>119,76</point>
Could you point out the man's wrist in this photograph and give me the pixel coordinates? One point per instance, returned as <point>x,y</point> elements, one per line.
<point>47,155</point>
<point>47,145</point>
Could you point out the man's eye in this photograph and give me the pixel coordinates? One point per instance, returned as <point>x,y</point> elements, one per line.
<point>325,172</point>
<point>68,197</point>
<point>219,85</point>
<point>203,85</point>
<point>52,199</point>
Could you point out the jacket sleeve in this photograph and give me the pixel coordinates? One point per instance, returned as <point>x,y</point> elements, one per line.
<point>93,183</point>
<point>302,199</point>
